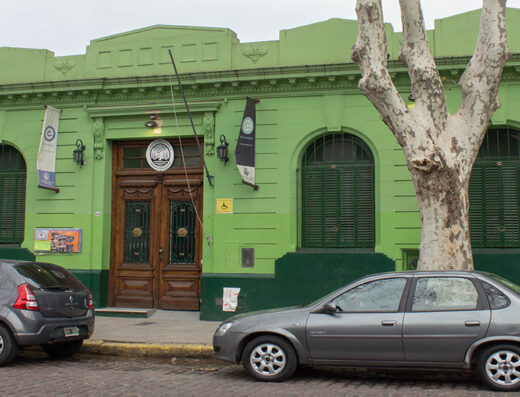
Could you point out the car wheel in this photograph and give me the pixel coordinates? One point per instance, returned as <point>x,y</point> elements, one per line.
<point>63,349</point>
<point>499,367</point>
<point>8,346</point>
<point>269,358</point>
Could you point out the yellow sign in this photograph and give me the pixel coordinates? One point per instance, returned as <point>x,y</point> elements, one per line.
<point>224,206</point>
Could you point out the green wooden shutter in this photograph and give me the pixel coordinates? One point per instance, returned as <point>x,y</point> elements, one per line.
<point>338,206</point>
<point>494,213</point>
<point>12,195</point>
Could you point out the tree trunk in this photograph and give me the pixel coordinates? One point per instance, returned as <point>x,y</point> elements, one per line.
<point>440,148</point>
<point>444,208</point>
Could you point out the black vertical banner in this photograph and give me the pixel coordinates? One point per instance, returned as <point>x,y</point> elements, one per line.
<point>245,150</point>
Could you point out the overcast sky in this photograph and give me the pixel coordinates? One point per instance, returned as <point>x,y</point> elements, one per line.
<point>67,26</point>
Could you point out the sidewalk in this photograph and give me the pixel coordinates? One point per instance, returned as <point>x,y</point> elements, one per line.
<point>164,333</point>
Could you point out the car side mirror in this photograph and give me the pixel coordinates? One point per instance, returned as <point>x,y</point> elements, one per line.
<point>330,308</point>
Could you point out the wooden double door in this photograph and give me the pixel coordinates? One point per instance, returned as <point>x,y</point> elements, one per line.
<point>156,244</point>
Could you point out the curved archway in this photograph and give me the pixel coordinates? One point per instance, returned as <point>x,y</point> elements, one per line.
<point>337,193</point>
<point>13,176</point>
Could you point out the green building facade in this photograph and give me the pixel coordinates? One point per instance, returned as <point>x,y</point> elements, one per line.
<point>335,198</point>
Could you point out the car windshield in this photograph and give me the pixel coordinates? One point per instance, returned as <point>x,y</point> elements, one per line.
<point>506,283</point>
<point>48,276</point>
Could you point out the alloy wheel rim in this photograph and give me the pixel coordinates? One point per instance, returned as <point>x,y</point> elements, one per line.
<point>503,368</point>
<point>1,344</point>
<point>267,359</point>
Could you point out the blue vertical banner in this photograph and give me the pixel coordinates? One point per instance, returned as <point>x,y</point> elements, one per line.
<point>46,162</point>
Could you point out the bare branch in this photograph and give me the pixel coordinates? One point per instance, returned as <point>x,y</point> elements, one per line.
<point>370,54</point>
<point>427,88</point>
<point>480,81</point>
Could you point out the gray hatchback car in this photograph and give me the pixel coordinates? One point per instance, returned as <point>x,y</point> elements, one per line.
<point>466,320</point>
<point>42,304</point>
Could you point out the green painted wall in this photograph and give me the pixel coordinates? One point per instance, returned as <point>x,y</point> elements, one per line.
<point>307,87</point>
<point>300,278</point>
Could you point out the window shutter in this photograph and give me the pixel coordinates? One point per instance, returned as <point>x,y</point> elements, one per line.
<point>494,213</point>
<point>12,195</point>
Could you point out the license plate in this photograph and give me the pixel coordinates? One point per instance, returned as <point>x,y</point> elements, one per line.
<point>70,331</point>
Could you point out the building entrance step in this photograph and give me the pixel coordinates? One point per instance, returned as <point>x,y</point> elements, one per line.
<point>124,312</point>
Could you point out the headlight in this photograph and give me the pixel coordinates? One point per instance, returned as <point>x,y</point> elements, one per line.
<point>223,329</point>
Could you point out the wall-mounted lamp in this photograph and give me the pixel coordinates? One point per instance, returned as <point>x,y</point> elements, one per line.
<point>151,123</point>
<point>222,150</point>
<point>78,153</point>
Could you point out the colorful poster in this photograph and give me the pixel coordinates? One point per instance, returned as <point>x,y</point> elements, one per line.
<point>59,241</point>
<point>46,162</point>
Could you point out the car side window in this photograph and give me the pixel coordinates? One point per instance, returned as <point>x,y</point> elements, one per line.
<point>444,293</point>
<point>497,300</point>
<point>374,296</point>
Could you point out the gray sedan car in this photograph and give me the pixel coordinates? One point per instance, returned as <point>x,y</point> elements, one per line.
<point>466,320</point>
<point>42,304</point>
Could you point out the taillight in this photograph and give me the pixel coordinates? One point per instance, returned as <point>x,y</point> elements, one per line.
<point>90,300</point>
<point>26,299</point>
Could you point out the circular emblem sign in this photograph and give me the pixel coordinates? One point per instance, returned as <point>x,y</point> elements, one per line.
<point>49,134</point>
<point>160,155</point>
<point>248,125</point>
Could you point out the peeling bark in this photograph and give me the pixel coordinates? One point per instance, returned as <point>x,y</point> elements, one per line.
<point>440,148</point>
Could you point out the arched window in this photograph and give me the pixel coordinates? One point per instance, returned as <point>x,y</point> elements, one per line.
<point>338,193</point>
<point>12,195</point>
<point>494,213</point>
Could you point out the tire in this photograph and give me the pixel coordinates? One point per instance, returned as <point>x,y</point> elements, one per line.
<point>269,358</point>
<point>499,367</point>
<point>63,349</point>
<point>8,346</point>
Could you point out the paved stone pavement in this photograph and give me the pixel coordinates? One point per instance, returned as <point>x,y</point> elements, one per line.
<point>33,374</point>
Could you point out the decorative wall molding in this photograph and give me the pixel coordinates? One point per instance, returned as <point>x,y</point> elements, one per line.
<point>209,133</point>
<point>255,52</point>
<point>64,66</point>
<point>99,138</point>
<point>208,90</point>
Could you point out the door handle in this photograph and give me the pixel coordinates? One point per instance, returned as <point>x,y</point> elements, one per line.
<point>388,323</point>
<point>472,323</point>
<point>161,252</point>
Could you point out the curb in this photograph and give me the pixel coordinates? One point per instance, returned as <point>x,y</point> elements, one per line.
<point>159,350</point>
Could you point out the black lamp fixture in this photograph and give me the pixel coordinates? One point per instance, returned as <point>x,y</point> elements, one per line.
<point>222,150</point>
<point>78,153</point>
<point>151,123</point>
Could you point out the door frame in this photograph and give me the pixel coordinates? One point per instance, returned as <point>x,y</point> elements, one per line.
<point>194,174</point>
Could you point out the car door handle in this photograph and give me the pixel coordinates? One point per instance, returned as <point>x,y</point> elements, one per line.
<point>472,323</point>
<point>388,323</point>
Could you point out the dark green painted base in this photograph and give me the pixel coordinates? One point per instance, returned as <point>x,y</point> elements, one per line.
<point>97,282</point>
<point>9,252</point>
<point>500,262</point>
<point>301,277</point>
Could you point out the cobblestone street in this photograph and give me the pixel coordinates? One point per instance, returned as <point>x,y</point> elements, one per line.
<point>35,375</point>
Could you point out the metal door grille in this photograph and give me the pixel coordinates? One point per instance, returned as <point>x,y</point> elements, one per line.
<point>137,232</point>
<point>182,232</point>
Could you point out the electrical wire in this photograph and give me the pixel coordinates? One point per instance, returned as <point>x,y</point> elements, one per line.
<point>182,154</point>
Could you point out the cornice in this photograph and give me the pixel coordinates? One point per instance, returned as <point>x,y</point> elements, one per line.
<point>101,93</point>
<point>148,108</point>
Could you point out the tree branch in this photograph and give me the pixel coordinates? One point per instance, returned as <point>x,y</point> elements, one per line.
<point>480,81</point>
<point>427,88</point>
<point>370,54</point>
